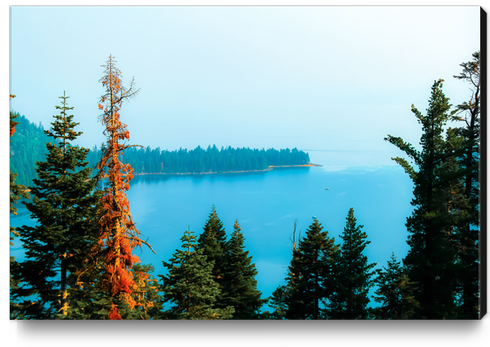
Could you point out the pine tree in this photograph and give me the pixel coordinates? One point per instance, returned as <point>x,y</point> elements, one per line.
<point>394,292</point>
<point>64,205</point>
<point>310,275</point>
<point>239,282</point>
<point>278,303</point>
<point>431,260</point>
<point>212,242</point>
<point>285,297</point>
<point>468,156</point>
<point>190,284</point>
<point>118,233</point>
<point>352,274</point>
<point>456,220</point>
<point>295,306</point>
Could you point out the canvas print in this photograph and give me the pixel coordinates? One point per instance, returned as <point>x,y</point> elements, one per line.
<point>246,163</point>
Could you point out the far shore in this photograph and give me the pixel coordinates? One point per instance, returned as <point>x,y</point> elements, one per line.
<point>269,168</point>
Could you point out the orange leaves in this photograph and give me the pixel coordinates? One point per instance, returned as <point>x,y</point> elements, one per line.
<point>118,233</point>
<point>126,249</point>
<point>130,301</point>
<point>125,280</point>
<point>135,259</point>
<point>114,313</point>
<point>237,227</point>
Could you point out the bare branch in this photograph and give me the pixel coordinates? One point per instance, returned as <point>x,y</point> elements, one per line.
<point>140,240</point>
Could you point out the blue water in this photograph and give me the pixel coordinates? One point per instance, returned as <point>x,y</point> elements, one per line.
<point>266,206</point>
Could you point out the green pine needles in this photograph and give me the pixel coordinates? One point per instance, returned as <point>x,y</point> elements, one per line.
<point>310,275</point>
<point>327,280</point>
<point>240,285</point>
<point>190,284</point>
<point>64,204</point>
<point>354,273</point>
<point>395,292</point>
<point>212,277</point>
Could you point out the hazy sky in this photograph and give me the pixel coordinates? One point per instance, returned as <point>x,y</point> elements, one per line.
<point>317,77</point>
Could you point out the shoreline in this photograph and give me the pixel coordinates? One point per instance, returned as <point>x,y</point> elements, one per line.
<point>269,168</point>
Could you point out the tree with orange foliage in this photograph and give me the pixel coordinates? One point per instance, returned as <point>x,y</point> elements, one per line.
<point>118,233</point>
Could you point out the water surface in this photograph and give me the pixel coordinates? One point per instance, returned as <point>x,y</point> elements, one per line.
<point>266,205</point>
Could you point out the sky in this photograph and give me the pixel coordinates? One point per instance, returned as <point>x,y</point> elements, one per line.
<point>333,78</point>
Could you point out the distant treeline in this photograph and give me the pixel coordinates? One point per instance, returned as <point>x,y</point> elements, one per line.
<point>31,137</point>
<point>199,160</point>
<point>148,160</point>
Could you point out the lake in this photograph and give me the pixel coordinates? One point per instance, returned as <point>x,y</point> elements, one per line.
<point>266,205</point>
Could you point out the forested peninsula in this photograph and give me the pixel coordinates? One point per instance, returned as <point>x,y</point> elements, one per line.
<point>206,161</point>
<point>149,160</point>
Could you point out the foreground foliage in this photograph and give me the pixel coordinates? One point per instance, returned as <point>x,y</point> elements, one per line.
<point>444,229</point>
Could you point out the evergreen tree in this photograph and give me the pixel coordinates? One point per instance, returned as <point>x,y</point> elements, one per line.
<point>278,302</point>
<point>468,156</point>
<point>295,306</point>
<point>190,284</point>
<point>214,246</point>
<point>64,204</point>
<point>311,274</point>
<point>352,274</point>
<point>432,259</point>
<point>394,292</point>
<point>239,282</point>
<point>285,299</point>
